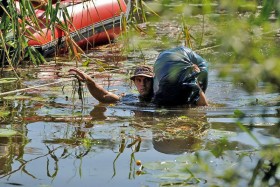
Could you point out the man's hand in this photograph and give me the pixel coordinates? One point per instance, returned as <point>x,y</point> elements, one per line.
<point>196,68</point>
<point>82,76</point>
<point>96,90</point>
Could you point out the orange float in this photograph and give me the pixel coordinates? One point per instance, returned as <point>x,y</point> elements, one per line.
<point>91,22</point>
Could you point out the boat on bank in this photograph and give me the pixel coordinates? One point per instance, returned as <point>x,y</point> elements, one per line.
<point>87,23</point>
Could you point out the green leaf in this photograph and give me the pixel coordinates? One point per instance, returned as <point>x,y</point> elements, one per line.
<point>39,99</point>
<point>159,165</point>
<point>7,132</point>
<point>220,147</point>
<point>239,114</point>
<point>4,113</point>
<point>17,97</point>
<point>220,134</point>
<point>174,175</point>
<point>86,62</point>
<point>7,80</point>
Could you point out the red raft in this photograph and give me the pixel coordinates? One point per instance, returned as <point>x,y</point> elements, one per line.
<point>91,22</point>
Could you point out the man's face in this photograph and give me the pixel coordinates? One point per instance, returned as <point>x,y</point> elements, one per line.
<point>144,85</point>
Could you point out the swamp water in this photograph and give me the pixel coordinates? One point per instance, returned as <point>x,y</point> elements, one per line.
<point>50,137</point>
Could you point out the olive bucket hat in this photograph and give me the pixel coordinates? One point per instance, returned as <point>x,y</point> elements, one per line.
<point>143,70</point>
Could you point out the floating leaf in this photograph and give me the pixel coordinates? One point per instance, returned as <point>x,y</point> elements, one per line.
<point>219,133</point>
<point>174,175</point>
<point>44,185</point>
<point>86,62</point>
<point>186,159</point>
<point>4,113</point>
<point>39,99</point>
<point>7,80</point>
<point>159,165</point>
<point>7,132</point>
<point>219,148</point>
<point>239,114</point>
<point>17,97</point>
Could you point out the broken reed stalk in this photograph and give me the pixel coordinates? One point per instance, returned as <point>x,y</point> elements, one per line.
<point>34,87</point>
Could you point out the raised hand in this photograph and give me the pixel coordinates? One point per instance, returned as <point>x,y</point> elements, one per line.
<point>82,76</point>
<point>196,68</point>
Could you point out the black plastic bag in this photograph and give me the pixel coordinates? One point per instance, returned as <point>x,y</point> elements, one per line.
<point>175,82</point>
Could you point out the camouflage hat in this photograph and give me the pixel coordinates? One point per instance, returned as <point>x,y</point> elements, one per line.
<point>143,70</point>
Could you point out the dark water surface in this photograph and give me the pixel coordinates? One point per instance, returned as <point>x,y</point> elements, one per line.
<point>63,141</point>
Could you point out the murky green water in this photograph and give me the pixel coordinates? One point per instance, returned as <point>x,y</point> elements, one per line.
<point>64,141</point>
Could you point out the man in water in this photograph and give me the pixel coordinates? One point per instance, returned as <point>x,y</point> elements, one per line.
<point>149,86</point>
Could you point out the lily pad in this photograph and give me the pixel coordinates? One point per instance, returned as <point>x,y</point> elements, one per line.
<point>220,133</point>
<point>174,175</point>
<point>186,159</point>
<point>23,97</point>
<point>7,132</point>
<point>159,165</point>
<point>17,97</point>
<point>39,99</point>
<point>4,113</point>
<point>7,80</point>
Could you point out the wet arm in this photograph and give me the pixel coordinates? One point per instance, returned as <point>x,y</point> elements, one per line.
<point>202,101</point>
<point>99,93</point>
<point>96,90</point>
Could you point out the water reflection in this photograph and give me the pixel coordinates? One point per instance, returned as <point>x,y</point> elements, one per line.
<point>171,131</point>
<point>11,149</point>
<point>174,131</point>
<point>98,113</point>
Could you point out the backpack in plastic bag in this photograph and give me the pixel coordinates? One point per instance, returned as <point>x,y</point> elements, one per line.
<point>175,82</point>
